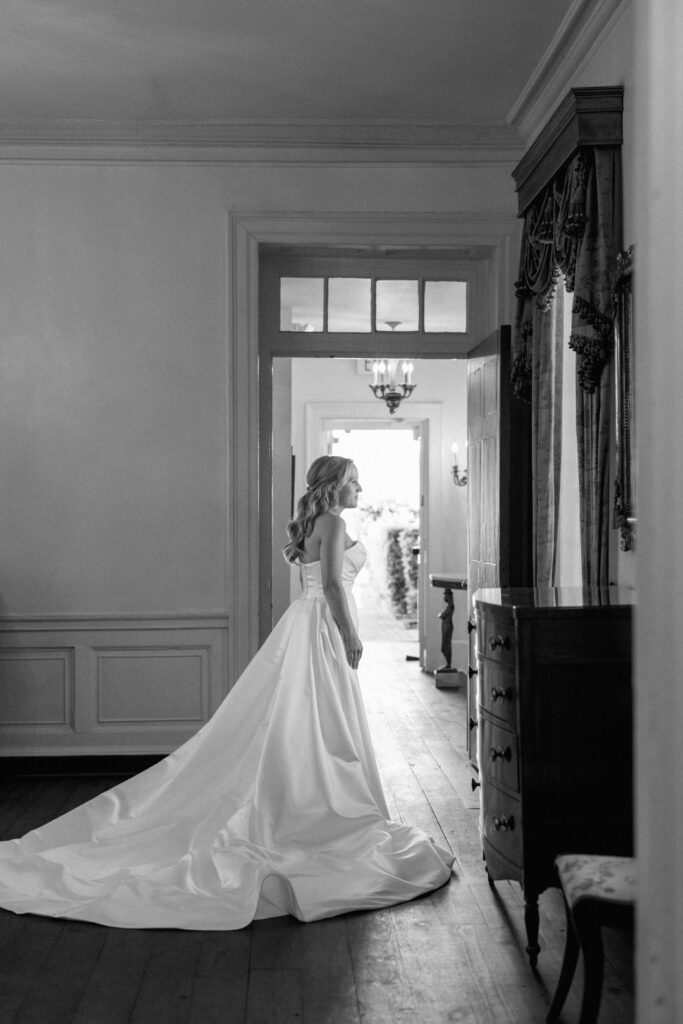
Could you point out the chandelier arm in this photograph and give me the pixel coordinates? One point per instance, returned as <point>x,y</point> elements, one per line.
<point>391,393</point>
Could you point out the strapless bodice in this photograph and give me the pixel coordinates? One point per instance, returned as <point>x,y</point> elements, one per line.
<point>311,575</point>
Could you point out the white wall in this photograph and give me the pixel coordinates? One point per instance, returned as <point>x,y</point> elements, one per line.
<point>113,462</point>
<point>115,347</point>
<point>658,307</point>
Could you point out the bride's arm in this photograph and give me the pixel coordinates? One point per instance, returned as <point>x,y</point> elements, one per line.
<point>332,546</point>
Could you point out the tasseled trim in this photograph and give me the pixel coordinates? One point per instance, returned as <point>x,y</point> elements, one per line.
<point>521,375</point>
<point>594,352</point>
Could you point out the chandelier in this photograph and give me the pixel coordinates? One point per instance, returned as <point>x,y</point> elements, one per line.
<point>386,383</point>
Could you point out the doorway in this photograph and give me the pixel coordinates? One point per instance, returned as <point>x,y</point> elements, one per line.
<point>387,523</point>
<point>299,291</point>
<point>485,242</point>
<point>305,425</point>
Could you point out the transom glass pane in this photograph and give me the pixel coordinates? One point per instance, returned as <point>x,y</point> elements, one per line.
<point>349,304</point>
<point>445,307</point>
<point>398,306</point>
<point>302,301</point>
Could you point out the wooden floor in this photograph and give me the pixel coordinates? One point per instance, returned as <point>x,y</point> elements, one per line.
<point>455,955</point>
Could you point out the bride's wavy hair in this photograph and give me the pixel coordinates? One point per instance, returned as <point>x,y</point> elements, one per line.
<point>325,478</point>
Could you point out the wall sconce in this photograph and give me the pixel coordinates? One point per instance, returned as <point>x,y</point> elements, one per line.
<point>459,479</point>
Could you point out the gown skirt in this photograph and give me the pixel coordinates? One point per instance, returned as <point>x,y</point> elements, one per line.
<point>273,807</point>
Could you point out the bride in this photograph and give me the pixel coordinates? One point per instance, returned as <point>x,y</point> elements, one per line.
<point>274,807</point>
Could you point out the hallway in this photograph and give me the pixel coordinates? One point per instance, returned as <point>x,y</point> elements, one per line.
<point>455,955</point>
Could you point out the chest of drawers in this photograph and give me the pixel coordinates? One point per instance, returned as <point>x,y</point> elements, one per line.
<point>554,731</point>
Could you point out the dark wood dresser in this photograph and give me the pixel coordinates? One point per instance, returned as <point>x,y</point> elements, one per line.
<point>554,731</point>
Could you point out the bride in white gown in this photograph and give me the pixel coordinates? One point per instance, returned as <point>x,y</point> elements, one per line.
<point>274,807</point>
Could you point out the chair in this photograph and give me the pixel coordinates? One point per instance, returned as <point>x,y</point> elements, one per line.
<point>598,890</point>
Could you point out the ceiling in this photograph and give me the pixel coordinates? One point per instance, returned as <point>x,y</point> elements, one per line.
<point>446,62</point>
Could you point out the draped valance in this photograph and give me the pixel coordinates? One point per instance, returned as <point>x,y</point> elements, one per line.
<point>570,194</point>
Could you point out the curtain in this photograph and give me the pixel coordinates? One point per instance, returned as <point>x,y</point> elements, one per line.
<point>572,229</point>
<point>546,440</point>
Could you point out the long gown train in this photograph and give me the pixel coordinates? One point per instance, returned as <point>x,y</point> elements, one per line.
<point>274,807</point>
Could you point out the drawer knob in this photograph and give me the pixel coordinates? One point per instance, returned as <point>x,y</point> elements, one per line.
<point>474,784</point>
<point>499,641</point>
<point>505,694</point>
<point>473,723</point>
<point>504,755</point>
<point>504,824</point>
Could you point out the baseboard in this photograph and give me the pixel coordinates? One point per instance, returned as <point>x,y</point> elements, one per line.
<point>124,765</point>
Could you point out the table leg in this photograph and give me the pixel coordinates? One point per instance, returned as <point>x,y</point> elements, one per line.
<point>531,921</point>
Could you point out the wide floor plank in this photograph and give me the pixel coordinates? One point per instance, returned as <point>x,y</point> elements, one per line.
<point>168,982</point>
<point>453,955</point>
<point>120,968</point>
<point>63,975</point>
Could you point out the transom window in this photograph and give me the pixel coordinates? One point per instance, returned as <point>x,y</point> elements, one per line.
<point>361,305</point>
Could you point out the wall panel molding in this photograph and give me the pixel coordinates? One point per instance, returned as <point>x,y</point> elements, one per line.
<point>58,623</point>
<point>108,685</point>
<point>271,142</point>
<point>37,688</point>
<point>152,684</point>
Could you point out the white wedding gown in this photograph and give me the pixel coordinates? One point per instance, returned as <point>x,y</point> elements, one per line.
<point>274,807</point>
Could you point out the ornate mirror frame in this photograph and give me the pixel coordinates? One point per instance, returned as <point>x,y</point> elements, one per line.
<point>624,519</point>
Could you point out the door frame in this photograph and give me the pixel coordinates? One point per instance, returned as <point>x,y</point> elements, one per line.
<point>245,234</point>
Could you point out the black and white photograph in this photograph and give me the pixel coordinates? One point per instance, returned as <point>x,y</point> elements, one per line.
<point>340,586</point>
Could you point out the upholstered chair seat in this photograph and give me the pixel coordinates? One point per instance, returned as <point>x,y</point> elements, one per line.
<point>598,890</point>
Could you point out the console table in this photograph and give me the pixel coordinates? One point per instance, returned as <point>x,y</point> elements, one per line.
<point>554,731</point>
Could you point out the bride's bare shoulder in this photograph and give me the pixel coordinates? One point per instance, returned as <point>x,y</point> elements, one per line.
<point>329,526</point>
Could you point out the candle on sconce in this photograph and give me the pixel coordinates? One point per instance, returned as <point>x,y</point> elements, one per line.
<point>407,372</point>
<point>454,452</point>
<point>375,373</point>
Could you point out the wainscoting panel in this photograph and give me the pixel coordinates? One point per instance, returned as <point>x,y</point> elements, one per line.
<point>152,685</point>
<point>108,685</point>
<point>37,688</point>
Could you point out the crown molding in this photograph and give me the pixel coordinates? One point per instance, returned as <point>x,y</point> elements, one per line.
<point>285,141</point>
<point>581,32</point>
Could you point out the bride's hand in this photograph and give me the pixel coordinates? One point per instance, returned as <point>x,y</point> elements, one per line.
<point>354,649</point>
